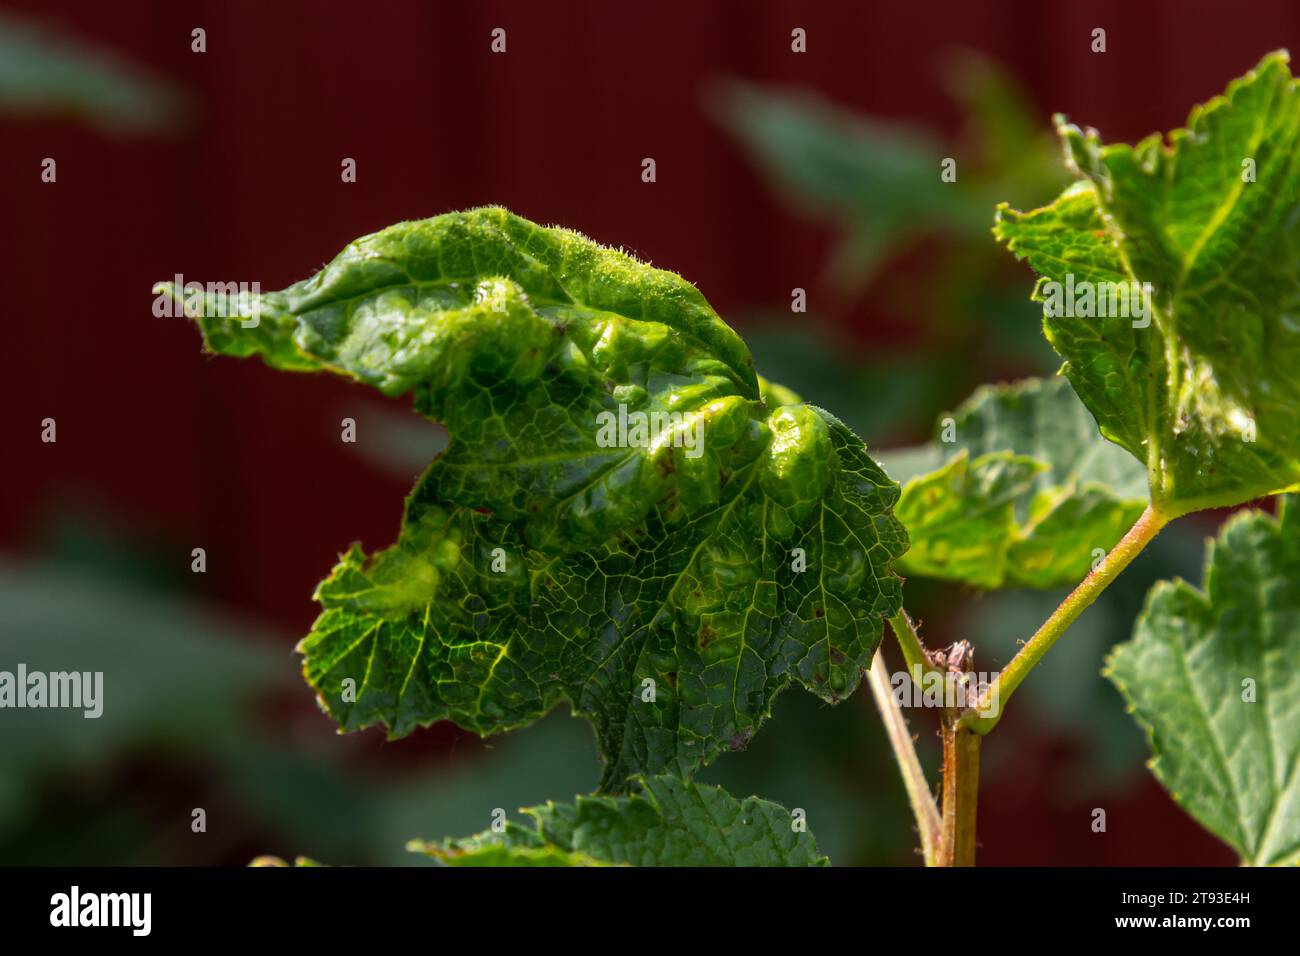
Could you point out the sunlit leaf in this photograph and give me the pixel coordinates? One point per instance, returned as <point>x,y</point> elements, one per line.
<point>1202,387</point>
<point>668,589</point>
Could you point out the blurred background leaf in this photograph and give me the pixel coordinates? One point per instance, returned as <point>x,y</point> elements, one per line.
<point>202,710</point>
<point>45,73</point>
<point>879,184</point>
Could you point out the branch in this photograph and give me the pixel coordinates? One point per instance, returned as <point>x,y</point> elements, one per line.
<point>961,781</point>
<point>918,791</point>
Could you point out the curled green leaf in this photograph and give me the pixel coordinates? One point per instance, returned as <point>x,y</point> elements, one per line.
<point>620,520</point>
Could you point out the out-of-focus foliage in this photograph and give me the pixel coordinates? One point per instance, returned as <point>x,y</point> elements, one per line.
<point>43,73</point>
<point>880,394</point>
<point>171,675</point>
<point>881,178</point>
<point>188,720</point>
<point>879,183</point>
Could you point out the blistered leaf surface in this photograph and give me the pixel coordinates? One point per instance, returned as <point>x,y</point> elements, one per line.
<point>666,582</point>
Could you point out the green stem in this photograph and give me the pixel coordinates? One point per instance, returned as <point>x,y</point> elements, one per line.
<point>900,738</point>
<point>909,642</point>
<point>992,702</point>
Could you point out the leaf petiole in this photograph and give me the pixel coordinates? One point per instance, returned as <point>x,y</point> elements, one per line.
<point>992,703</point>
<point>909,642</point>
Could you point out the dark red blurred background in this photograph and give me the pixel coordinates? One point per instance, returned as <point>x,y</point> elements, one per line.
<point>186,450</point>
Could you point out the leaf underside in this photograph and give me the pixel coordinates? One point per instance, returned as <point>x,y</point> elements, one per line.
<point>1022,495</point>
<point>1207,395</point>
<point>649,584</point>
<point>663,822</point>
<point>1211,675</point>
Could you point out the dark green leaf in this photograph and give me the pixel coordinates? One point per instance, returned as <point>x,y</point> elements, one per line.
<point>664,822</point>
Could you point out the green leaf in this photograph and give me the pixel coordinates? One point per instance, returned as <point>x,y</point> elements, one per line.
<point>1211,676</point>
<point>1205,389</point>
<point>664,822</point>
<point>651,585</point>
<point>1022,494</point>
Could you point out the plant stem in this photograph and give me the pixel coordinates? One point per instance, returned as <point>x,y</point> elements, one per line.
<point>900,738</point>
<point>909,642</point>
<point>961,781</point>
<point>992,702</point>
